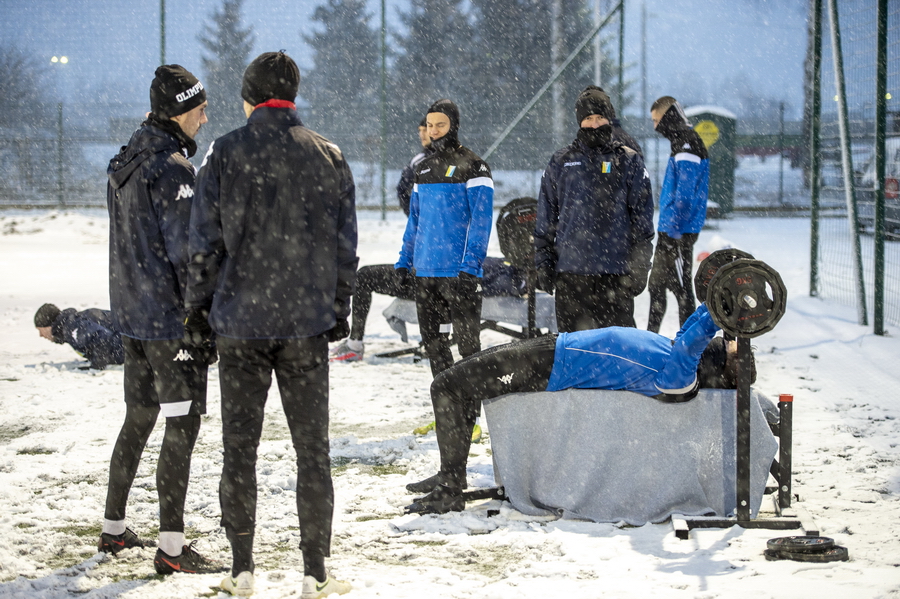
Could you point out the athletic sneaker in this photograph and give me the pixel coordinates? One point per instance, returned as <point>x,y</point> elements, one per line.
<point>115,543</point>
<point>440,501</point>
<point>313,589</point>
<point>189,562</point>
<point>343,353</point>
<point>428,485</point>
<point>242,586</point>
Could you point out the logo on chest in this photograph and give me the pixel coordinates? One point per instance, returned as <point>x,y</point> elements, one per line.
<point>450,171</point>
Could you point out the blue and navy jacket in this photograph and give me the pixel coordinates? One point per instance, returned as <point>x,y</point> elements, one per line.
<point>595,211</point>
<point>90,334</point>
<point>450,214</point>
<point>624,358</point>
<point>149,196</point>
<point>685,188</point>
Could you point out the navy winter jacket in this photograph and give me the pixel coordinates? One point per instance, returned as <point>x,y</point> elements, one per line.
<point>595,212</point>
<point>273,231</point>
<point>90,334</point>
<point>149,195</point>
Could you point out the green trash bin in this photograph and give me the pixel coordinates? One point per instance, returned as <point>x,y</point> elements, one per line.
<point>717,128</point>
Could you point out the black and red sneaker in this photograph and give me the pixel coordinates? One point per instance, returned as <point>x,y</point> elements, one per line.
<point>115,543</point>
<point>189,562</point>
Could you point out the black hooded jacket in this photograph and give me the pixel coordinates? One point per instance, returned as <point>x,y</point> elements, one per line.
<point>149,195</point>
<point>90,334</point>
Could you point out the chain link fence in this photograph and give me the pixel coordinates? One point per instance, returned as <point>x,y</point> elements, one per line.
<point>837,255</point>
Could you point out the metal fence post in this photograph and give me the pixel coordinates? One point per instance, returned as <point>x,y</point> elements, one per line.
<point>880,126</point>
<point>815,127</point>
<point>59,156</point>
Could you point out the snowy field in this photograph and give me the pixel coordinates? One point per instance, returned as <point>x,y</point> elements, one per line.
<point>58,424</point>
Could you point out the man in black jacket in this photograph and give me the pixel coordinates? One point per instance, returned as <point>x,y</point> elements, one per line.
<point>149,195</point>
<point>89,332</point>
<point>595,224</point>
<point>273,261</point>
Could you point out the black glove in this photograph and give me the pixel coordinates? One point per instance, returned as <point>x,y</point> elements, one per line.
<point>546,279</point>
<point>340,330</point>
<point>197,331</point>
<point>402,274</point>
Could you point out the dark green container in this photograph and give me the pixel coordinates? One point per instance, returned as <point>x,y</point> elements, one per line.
<point>718,129</point>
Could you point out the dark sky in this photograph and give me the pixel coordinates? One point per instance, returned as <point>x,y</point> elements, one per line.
<point>706,49</point>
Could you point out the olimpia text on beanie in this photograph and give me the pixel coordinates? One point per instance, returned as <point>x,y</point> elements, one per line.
<point>174,91</point>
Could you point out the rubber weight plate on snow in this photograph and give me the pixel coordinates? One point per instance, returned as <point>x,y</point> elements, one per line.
<point>746,298</point>
<point>710,266</point>
<point>835,554</point>
<point>800,544</point>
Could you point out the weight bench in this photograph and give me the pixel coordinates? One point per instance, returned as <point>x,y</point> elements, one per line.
<point>618,456</point>
<point>495,313</point>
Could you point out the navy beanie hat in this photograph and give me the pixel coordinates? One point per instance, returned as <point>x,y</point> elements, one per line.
<point>174,91</point>
<point>271,76</point>
<point>45,315</point>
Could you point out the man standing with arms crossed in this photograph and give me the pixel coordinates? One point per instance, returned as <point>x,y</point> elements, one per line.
<point>273,261</point>
<point>149,196</point>
<point>682,212</point>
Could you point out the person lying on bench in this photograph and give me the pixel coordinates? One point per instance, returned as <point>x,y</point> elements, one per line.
<point>89,332</point>
<point>614,358</point>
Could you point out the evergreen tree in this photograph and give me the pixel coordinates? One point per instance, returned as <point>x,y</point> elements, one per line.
<point>229,46</point>
<point>23,101</point>
<point>437,60</point>
<point>343,88</point>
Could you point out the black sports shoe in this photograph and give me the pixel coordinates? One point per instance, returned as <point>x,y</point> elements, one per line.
<point>115,543</point>
<point>427,485</point>
<point>440,501</point>
<point>189,562</point>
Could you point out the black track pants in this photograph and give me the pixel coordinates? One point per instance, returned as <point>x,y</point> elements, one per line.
<point>457,393</point>
<point>585,302</point>
<point>159,376</point>
<point>440,301</point>
<point>301,370</point>
<point>672,263</point>
<point>172,471</point>
<point>379,278</point>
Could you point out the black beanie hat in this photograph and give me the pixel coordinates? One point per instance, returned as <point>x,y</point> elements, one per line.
<point>714,372</point>
<point>271,76</point>
<point>45,315</point>
<point>593,100</point>
<point>445,106</point>
<point>174,90</point>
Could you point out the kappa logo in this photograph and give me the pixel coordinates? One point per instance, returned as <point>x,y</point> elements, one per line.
<point>506,378</point>
<point>75,335</point>
<point>182,356</point>
<point>572,164</point>
<point>483,167</point>
<point>185,191</point>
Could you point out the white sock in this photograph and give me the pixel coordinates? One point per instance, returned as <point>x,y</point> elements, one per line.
<point>113,527</point>
<point>355,344</point>
<point>171,543</point>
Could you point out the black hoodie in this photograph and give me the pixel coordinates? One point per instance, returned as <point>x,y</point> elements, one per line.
<point>149,196</point>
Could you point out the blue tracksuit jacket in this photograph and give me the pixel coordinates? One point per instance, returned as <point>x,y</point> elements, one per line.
<point>450,213</point>
<point>624,358</point>
<point>685,188</point>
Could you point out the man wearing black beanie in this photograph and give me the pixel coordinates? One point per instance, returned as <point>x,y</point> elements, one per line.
<point>594,232</point>
<point>149,196</point>
<point>446,239</point>
<point>89,332</point>
<point>273,264</point>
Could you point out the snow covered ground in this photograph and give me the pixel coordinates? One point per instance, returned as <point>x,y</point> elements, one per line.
<point>58,424</point>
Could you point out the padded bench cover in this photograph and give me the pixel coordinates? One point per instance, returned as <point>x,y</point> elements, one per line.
<point>504,308</point>
<point>611,456</point>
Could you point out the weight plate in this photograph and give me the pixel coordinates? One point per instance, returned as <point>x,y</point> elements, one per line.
<point>801,544</point>
<point>746,298</point>
<point>710,265</point>
<point>835,554</point>
<point>772,556</point>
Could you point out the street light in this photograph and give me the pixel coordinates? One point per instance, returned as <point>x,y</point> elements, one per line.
<point>59,139</point>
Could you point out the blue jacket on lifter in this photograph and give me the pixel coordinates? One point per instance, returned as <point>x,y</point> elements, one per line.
<point>685,188</point>
<point>450,214</point>
<point>628,359</point>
